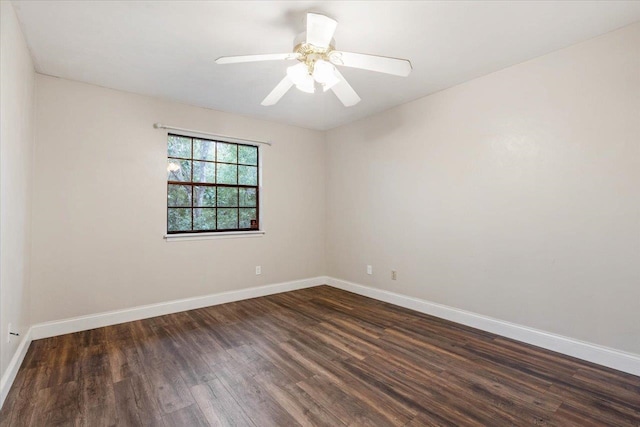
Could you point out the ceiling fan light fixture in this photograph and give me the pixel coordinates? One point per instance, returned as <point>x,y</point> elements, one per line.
<point>299,75</point>
<point>307,86</point>
<point>324,73</point>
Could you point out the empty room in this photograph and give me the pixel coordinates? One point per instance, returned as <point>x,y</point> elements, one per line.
<point>340,213</point>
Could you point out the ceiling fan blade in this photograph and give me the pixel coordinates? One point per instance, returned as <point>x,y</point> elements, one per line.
<point>381,64</point>
<point>255,58</point>
<point>320,29</point>
<point>345,92</point>
<point>278,92</point>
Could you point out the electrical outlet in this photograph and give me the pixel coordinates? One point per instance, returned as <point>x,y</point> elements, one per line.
<point>258,270</point>
<point>394,275</point>
<point>369,269</point>
<point>9,333</point>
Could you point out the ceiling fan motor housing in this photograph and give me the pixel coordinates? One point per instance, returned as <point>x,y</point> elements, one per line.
<point>310,54</point>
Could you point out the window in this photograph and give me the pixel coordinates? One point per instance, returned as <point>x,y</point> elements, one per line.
<point>212,186</point>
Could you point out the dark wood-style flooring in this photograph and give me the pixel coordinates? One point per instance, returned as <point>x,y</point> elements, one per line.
<point>318,356</point>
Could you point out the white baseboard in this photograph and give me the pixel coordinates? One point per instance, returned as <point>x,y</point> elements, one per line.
<point>14,365</point>
<point>92,321</point>
<point>616,359</point>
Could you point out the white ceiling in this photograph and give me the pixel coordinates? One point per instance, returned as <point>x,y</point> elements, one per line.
<point>167,48</point>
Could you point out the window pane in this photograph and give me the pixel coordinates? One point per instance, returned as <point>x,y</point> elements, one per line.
<point>223,205</point>
<point>227,219</point>
<point>204,219</point>
<point>179,195</point>
<point>179,146</point>
<point>204,172</point>
<point>247,175</point>
<point>227,152</point>
<point>227,174</point>
<point>248,197</point>
<point>227,197</point>
<point>179,170</point>
<point>204,150</point>
<point>179,219</point>
<point>204,196</point>
<point>248,155</point>
<point>246,215</point>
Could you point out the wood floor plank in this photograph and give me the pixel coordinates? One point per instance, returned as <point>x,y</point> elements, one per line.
<point>218,405</point>
<point>97,400</point>
<point>314,357</point>
<point>347,408</point>
<point>12,398</point>
<point>23,405</point>
<point>126,405</point>
<point>135,403</point>
<point>380,402</point>
<point>169,389</point>
<point>190,416</point>
<point>428,398</point>
<point>60,405</point>
<point>297,403</point>
<point>124,361</point>
<point>256,403</point>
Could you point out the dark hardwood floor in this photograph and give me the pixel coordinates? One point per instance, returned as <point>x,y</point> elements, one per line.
<point>318,356</point>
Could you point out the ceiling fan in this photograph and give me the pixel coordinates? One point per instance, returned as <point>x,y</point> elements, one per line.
<point>317,56</point>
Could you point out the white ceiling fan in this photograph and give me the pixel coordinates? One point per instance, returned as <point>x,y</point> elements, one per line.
<point>317,56</point>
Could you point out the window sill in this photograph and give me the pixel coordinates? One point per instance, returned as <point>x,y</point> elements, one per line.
<point>209,236</point>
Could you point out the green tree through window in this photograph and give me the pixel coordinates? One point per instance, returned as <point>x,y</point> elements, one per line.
<point>211,185</point>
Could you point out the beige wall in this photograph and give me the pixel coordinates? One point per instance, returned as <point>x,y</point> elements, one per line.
<point>515,195</point>
<point>100,199</point>
<point>16,154</point>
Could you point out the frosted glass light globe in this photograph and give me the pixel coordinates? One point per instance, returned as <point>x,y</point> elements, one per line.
<point>325,73</point>
<point>300,76</point>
